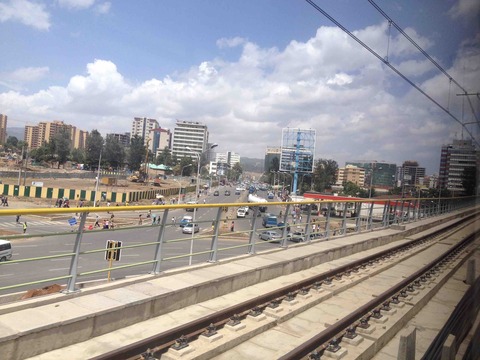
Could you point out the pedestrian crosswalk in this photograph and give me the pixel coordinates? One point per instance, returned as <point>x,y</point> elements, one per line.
<point>13,224</point>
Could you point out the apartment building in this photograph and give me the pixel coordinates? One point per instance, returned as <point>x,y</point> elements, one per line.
<point>3,128</point>
<point>36,135</point>
<point>351,173</point>
<point>189,138</point>
<point>454,159</point>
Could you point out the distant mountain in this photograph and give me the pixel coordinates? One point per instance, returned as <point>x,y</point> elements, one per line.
<point>18,132</point>
<point>252,165</point>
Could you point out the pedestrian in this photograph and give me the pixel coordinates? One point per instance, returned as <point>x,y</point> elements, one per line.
<point>140,220</point>
<point>154,219</point>
<point>24,227</point>
<point>204,201</point>
<point>18,218</point>
<point>6,201</point>
<point>232,226</point>
<point>96,221</point>
<point>173,220</point>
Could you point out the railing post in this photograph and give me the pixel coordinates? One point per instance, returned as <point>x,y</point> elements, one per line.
<point>358,221</point>
<point>386,212</point>
<point>251,241</point>
<point>307,224</point>
<point>74,261</point>
<point>284,230</point>
<point>344,221</point>
<point>214,245</point>
<point>370,216</point>
<point>327,224</point>
<point>158,249</point>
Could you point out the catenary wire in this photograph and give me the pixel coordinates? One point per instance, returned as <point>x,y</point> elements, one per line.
<point>324,13</point>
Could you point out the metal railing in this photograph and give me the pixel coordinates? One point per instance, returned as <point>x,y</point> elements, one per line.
<point>155,246</point>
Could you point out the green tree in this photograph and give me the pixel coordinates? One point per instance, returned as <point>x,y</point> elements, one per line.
<point>324,174</point>
<point>352,189</point>
<point>469,180</point>
<point>61,146</point>
<point>93,148</point>
<point>11,143</point>
<point>236,172</point>
<point>78,156</point>
<point>114,152</point>
<point>165,157</point>
<point>136,153</point>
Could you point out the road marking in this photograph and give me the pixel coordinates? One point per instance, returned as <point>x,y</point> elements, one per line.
<point>6,275</point>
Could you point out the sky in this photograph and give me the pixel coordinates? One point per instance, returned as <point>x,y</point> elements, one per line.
<point>248,69</point>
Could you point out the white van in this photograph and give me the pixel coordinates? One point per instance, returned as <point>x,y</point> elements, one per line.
<point>5,250</point>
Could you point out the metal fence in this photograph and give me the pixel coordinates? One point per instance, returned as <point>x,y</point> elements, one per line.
<point>150,239</point>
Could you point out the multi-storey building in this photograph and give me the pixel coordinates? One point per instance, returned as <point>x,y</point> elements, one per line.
<point>159,140</point>
<point>272,153</point>
<point>123,139</point>
<point>45,131</point>
<point>351,173</point>
<point>378,174</point>
<point>189,138</point>
<point>410,174</point>
<point>223,162</point>
<point>454,159</point>
<point>141,127</point>
<point>3,128</point>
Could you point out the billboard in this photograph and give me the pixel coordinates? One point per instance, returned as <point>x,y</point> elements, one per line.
<point>298,150</point>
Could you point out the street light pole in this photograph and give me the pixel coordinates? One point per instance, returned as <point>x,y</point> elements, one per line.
<point>199,156</point>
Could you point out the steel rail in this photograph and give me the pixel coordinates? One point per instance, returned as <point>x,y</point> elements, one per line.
<point>160,342</point>
<point>335,330</point>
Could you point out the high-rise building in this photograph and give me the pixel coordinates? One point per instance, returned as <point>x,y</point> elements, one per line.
<point>141,127</point>
<point>159,140</point>
<point>193,135</point>
<point>3,128</point>
<point>123,139</point>
<point>223,162</point>
<point>45,131</point>
<point>351,173</point>
<point>380,174</point>
<point>454,159</point>
<point>272,153</point>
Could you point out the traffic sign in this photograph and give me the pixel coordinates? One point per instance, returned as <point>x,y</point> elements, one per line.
<point>113,250</point>
<point>72,221</point>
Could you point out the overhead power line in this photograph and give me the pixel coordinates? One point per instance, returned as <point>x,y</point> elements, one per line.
<point>400,30</point>
<point>344,29</point>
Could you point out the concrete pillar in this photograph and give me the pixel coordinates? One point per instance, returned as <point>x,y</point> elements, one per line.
<point>470,280</point>
<point>448,350</point>
<point>406,349</point>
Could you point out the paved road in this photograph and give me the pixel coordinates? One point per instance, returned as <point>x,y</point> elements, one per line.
<point>132,238</point>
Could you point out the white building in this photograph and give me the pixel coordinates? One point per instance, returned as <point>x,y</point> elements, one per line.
<point>193,135</point>
<point>223,162</point>
<point>142,127</point>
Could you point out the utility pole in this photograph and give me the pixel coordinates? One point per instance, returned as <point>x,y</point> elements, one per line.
<point>21,165</point>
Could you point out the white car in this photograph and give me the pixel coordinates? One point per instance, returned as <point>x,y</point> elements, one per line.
<point>241,212</point>
<point>187,229</point>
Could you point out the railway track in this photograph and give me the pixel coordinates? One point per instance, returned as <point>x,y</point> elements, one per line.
<point>335,297</point>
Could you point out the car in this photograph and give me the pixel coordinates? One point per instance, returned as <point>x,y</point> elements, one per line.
<point>270,195</point>
<point>187,229</point>
<point>190,203</point>
<point>185,220</point>
<point>241,212</point>
<point>237,192</point>
<point>216,193</point>
<point>271,236</point>
<point>227,193</point>
<point>270,221</point>
<point>297,236</point>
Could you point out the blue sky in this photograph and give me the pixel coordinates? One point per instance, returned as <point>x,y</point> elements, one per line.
<point>247,69</point>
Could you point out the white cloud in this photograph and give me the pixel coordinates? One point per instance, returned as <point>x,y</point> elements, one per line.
<point>231,42</point>
<point>103,8</point>
<point>328,83</point>
<point>26,12</point>
<point>468,9</point>
<point>20,77</point>
<point>76,4</point>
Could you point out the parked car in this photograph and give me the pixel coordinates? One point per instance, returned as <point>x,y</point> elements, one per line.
<point>216,193</point>
<point>270,195</point>
<point>227,193</point>
<point>188,228</point>
<point>272,236</point>
<point>185,220</point>
<point>237,192</point>
<point>297,236</point>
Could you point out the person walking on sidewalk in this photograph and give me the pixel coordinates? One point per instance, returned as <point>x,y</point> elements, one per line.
<point>24,227</point>
<point>18,219</point>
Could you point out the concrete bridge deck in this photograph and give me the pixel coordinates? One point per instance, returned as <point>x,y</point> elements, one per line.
<point>102,318</point>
